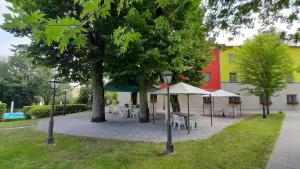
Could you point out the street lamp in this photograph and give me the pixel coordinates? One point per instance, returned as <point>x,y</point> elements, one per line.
<point>167,76</point>
<point>54,83</point>
<point>65,100</point>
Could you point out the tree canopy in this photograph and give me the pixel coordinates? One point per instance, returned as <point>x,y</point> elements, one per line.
<point>23,82</point>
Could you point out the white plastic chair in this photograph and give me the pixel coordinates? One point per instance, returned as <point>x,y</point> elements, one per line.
<point>194,120</point>
<point>179,121</point>
<point>123,112</point>
<point>115,111</point>
<point>135,113</point>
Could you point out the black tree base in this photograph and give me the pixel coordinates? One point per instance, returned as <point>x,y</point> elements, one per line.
<point>98,119</point>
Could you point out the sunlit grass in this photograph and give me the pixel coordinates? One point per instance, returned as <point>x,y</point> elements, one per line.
<point>246,144</point>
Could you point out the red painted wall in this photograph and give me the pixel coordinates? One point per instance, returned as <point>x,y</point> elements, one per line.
<point>214,69</point>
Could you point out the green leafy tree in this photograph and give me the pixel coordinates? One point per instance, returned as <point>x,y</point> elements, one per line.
<point>71,36</point>
<point>23,82</point>
<point>265,65</point>
<point>170,40</point>
<point>85,94</point>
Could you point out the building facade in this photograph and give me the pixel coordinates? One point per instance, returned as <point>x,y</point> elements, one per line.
<point>221,74</point>
<point>286,99</point>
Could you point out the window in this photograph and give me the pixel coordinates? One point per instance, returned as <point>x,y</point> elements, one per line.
<point>206,100</point>
<point>207,77</point>
<point>153,98</point>
<point>291,99</point>
<point>231,57</point>
<point>265,103</point>
<point>234,100</point>
<point>232,77</point>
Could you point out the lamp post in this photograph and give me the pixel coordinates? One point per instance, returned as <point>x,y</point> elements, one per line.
<point>54,85</point>
<point>65,99</point>
<point>167,76</point>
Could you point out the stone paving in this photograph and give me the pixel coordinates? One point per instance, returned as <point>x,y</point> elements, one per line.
<point>130,129</point>
<point>286,154</point>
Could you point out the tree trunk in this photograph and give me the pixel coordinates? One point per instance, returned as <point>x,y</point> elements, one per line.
<point>267,106</point>
<point>175,103</point>
<point>98,96</point>
<point>144,110</point>
<point>263,104</point>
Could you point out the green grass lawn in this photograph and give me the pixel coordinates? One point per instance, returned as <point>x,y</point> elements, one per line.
<point>247,144</point>
<point>21,123</point>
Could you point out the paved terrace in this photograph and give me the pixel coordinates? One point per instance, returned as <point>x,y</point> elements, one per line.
<point>130,129</point>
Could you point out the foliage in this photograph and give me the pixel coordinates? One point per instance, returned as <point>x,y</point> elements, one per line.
<point>250,142</point>
<point>170,39</point>
<point>112,97</point>
<point>85,95</point>
<point>264,63</point>
<point>40,111</point>
<point>234,15</point>
<point>23,82</point>
<point>2,108</point>
<point>44,110</point>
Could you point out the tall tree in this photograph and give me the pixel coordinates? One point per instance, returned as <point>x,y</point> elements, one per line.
<point>23,82</point>
<point>71,36</point>
<point>264,63</point>
<point>169,40</point>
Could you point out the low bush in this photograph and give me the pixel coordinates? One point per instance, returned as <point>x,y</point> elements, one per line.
<point>2,108</point>
<point>44,110</point>
<point>39,111</point>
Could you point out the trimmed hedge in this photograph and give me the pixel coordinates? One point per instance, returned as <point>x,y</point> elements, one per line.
<point>2,108</point>
<point>44,110</point>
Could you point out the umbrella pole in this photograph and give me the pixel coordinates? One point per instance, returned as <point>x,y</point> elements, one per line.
<point>240,107</point>
<point>233,106</point>
<point>153,110</point>
<point>213,100</point>
<point>203,105</point>
<point>188,118</point>
<point>210,111</point>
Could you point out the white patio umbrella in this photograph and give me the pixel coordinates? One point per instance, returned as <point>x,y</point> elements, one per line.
<point>185,89</point>
<point>223,93</point>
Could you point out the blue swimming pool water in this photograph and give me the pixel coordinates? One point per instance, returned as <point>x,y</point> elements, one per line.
<point>13,115</point>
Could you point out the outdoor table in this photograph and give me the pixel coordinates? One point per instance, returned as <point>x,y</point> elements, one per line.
<point>185,115</point>
<point>219,111</point>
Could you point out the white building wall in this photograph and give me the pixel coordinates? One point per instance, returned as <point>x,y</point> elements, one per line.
<point>249,102</point>
<point>279,100</point>
<point>124,98</point>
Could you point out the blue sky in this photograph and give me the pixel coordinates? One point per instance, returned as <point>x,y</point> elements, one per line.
<point>7,39</point>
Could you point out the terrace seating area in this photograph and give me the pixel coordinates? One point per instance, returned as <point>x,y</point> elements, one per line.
<point>130,129</point>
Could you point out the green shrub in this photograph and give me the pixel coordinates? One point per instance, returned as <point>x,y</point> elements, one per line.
<point>39,111</point>
<point>2,108</point>
<point>280,112</point>
<point>44,111</point>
